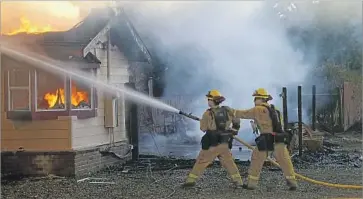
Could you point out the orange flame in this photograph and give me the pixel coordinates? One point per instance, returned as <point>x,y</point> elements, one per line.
<point>27,27</point>
<point>59,97</point>
<point>53,99</point>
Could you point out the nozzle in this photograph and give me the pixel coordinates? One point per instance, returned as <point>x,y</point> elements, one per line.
<point>189,115</point>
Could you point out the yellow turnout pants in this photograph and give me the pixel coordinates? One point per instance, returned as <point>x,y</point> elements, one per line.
<point>206,157</point>
<point>282,157</point>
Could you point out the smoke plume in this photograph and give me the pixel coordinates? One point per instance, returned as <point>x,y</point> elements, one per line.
<point>235,47</point>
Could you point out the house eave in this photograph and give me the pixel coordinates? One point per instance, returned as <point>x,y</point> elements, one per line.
<point>100,37</point>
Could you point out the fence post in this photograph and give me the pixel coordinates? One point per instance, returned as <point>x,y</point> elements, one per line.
<point>284,107</point>
<point>313,112</point>
<point>299,109</point>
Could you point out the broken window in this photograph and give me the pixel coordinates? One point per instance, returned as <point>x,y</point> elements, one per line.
<point>19,90</point>
<point>50,91</point>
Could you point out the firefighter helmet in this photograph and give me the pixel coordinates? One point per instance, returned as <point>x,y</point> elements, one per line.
<point>215,95</point>
<point>262,93</point>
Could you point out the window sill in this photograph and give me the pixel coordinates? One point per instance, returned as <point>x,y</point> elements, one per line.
<point>49,115</point>
<point>19,115</point>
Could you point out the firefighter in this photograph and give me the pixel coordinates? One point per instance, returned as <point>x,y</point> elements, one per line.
<point>271,139</point>
<point>219,126</point>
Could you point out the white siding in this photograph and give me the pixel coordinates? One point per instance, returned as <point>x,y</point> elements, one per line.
<point>91,132</point>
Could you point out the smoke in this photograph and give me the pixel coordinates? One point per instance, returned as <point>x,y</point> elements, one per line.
<point>235,47</point>
<point>84,7</point>
<point>327,32</point>
<point>325,13</point>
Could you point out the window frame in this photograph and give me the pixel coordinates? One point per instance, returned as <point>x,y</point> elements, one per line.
<point>11,88</point>
<point>86,113</point>
<point>66,93</point>
<point>32,114</point>
<point>91,96</point>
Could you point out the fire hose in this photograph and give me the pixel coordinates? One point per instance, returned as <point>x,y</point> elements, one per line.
<point>307,179</point>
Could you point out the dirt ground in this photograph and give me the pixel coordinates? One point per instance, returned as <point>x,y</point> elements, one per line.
<point>341,163</point>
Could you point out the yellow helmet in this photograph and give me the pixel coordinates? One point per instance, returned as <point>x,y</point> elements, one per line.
<point>262,93</point>
<point>212,94</point>
<point>215,95</point>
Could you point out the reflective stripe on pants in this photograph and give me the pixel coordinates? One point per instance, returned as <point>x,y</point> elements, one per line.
<point>206,157</point>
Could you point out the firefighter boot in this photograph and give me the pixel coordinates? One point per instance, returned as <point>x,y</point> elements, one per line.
<point>257,160</point>
<point>291,184</point>
<point>237,181</point>
<point>283,158</point>
<point>190,181</point>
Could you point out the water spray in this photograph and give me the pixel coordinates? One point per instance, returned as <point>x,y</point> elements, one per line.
<point>138,97</point>
<point>56,66</point>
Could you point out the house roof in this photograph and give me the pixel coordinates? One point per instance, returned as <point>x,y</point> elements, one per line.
<point>85,31</point>
<point>67,46</point>
<point>68,53</point>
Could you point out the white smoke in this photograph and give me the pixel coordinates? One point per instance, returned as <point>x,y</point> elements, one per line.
<point>332,27</point>
<point>235,47</point>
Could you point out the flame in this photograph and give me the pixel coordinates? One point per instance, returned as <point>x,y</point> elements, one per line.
<point>78,96</point>
<point>38,16</point>
<point>27,27</point>
<point>53,99</point>
<point>58,97</point>
<point>44,16</point>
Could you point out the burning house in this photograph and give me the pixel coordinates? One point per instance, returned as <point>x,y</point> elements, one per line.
<point>55,124</point>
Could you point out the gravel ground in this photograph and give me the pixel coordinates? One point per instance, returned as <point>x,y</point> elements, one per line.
<point>213,184</point>
<point>140,182</point>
